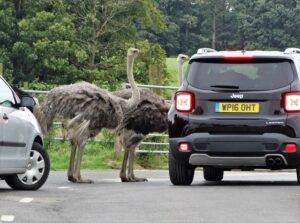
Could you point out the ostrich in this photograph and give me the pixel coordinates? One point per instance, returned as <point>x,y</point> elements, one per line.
<point>181,59</point>
<point>85,110</point>
<point>150,115</point>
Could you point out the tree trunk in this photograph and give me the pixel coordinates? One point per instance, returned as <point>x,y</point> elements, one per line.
<point>19,5</point>
<point>213,38</point>
<point>92,57</point>
<point>1,69</point>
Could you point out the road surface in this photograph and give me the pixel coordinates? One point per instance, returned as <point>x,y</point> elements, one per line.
<point>241,197</point>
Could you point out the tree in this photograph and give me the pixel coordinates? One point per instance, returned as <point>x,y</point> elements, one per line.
<point>194,24</point>
<point>183,19</point>
<point>8,34</point>
<point>48,42</point>
<point>63,41</point>
<point>265,24</point>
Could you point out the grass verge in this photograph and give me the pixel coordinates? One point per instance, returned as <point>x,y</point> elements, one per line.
<point>101,156</point>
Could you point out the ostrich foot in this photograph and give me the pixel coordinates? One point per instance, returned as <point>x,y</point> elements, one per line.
<point>71,179</point>
<point>80,180</point>
<point>124,179</point>
<point>136,179</point>
<point>85,181</point>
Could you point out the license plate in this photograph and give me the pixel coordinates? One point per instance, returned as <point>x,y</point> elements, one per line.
<point>237,107</point>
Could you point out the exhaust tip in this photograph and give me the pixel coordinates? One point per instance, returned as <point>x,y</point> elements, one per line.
<point>274,162</point>
<point>278,161</point>
<point>270,162</point>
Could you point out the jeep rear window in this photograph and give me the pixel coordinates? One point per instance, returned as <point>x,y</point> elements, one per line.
<point>245,75</point>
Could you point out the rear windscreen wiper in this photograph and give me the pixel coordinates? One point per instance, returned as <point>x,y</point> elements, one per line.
<point>226,86</point>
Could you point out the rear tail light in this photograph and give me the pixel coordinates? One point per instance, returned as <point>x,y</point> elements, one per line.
<point>183,147</point>
<point>291,102</point>
<point>290,148</point>
<point>184,101</point>
<point>238,58</point>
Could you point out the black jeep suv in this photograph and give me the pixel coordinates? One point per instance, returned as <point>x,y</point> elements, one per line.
<point>236,110</point>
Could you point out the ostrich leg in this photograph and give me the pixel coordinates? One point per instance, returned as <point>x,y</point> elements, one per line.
<point>71,162</point>
<point>131,176</point>
<point>77,176</point>
<point>124,166</point>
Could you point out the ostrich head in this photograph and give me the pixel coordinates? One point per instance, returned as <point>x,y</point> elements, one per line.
<point>132,53</point>
<point>180,60</point>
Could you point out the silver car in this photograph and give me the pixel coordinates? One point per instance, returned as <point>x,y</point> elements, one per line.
<point>24,163</point>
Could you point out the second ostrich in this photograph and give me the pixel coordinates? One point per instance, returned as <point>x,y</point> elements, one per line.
<point>85,110</point>
<point>181,59</point>
<point>150,115</point>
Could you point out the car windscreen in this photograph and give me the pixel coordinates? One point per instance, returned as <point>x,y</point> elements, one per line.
<point>246,75</point>
<point>6,95</point>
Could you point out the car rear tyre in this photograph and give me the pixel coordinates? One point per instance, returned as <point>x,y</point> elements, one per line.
<point>36,173</point>
<point>180,173</point>
<point>298,174</point>
<point>212,173</point>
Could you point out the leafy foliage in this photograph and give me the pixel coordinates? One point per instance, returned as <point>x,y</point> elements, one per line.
<point>63,41</point>
<point>227,24</point>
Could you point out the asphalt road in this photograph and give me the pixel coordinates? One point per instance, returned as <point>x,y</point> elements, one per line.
<point>240,197</point>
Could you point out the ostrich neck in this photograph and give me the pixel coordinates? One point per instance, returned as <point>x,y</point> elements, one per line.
<point>133,101</point>
<point>180,71</point>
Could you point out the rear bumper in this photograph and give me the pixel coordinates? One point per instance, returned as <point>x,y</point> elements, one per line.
<point>206,160</point>
<point>235,151</point>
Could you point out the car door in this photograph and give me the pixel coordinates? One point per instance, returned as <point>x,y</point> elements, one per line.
<point>14,131</point>
<point>1,128</point>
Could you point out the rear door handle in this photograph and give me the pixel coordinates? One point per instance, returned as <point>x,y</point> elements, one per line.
<point>5,117</point>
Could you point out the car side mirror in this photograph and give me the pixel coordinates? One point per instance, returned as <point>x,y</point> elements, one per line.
<point>28,101</point>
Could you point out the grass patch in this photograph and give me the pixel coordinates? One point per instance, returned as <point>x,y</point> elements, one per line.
<point>96,156</point>
<point>152,161</point>
<point>101,156</point>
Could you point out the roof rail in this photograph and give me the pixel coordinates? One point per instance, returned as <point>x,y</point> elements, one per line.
<point>205,50</point>
<point>292,50</point>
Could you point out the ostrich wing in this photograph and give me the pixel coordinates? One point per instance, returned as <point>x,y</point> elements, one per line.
<point>92,103</point>
<point>147,117</point>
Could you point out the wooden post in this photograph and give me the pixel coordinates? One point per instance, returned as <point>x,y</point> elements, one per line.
<point>25,85</point>
<point>117,147</point>
<point>155,76</point>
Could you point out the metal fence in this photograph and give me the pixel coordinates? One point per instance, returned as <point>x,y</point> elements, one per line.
<point>126,85</point>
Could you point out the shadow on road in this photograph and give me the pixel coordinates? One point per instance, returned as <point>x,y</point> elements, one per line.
<point>248,183</point>
<point>6,190</point>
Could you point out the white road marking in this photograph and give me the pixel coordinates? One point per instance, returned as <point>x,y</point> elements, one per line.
<point>26,200</point>
<point>64,188</point>
<point>7,218</point>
